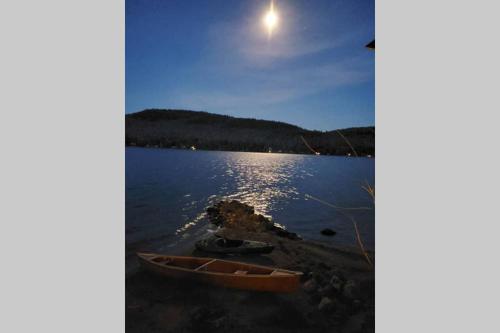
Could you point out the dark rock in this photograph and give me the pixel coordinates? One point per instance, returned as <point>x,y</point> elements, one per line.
<point>315,298</point>
<point>328,232</point>
<point>200,314</point>
<point>325,304</point>
<point>310,286</point>
<point>219,322</point>
<point>283,248</point>
<point>336,283</point>
<point>204,318</point>
<point>338,272</point>
<point>327,291</point>
<point>320,277</point>
<point>351,289</point>
<point>286,234</point>
<point>212,210</point>
<point>237,215</point>
<point>323,266</point>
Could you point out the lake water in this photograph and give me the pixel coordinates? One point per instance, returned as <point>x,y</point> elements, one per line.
<point>168,190</point>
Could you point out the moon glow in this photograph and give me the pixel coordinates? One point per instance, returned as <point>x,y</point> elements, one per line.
<point>271,19</point>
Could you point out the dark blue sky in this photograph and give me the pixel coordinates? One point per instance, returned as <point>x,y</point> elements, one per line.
<point>216,56</point>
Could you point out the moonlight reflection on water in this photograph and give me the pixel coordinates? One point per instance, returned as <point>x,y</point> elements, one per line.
<point>263,179</point>
<point>168,191</point>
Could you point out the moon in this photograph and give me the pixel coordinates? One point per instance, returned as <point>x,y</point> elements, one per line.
<point>271,19</point>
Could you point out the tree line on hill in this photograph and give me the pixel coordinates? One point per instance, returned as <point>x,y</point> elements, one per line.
<point>208,131</point>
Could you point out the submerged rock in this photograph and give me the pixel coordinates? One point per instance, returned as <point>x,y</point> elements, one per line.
<point>328,232</point>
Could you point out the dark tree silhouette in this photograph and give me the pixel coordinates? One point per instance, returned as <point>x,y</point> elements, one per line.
<point>183,129</point>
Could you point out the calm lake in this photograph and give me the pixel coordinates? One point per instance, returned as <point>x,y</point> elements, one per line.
<point>168,190</point>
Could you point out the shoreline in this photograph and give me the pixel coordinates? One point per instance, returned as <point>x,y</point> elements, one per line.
<point>247,151</point>
<point>337,291</point>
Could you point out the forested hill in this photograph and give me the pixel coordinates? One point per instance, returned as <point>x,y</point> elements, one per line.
<point>203,130</point>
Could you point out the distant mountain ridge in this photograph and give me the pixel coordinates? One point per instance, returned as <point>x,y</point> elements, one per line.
<point>182,129</point>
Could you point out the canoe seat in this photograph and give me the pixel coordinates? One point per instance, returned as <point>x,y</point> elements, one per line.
<point>240,272</point>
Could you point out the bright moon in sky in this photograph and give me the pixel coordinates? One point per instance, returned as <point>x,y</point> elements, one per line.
<point>271,19</point>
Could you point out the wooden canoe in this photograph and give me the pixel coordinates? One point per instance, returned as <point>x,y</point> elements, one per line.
<point>224,273</point>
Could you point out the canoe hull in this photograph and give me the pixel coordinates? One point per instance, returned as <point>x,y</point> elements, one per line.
<point>282,283</point>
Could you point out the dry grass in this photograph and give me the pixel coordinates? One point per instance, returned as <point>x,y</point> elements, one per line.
<point>371,190</point>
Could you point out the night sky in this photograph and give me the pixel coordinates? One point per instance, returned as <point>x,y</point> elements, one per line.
<point>216,56</point>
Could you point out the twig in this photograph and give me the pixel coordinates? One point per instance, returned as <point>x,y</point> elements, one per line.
<point>370,190</point>
<point>308,146</point>
<point>337,207</point>
<point>347,141</point>
<point>360,243</point>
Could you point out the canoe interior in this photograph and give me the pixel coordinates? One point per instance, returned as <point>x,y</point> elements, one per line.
<point>228,243</point>
<point>216,266</point>
<point>188,263</point>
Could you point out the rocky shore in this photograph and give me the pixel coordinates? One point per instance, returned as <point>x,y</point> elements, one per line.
<point>337,292</point>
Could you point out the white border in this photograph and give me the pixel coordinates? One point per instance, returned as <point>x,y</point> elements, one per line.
<point>437,69</point>
<point>62,166</point>
<point>62,169</point>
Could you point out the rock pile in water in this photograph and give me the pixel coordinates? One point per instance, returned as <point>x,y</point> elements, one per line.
<point>237,215</point>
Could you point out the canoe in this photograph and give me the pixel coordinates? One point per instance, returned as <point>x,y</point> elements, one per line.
<point>223,273</point>
<point>233,246</point>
